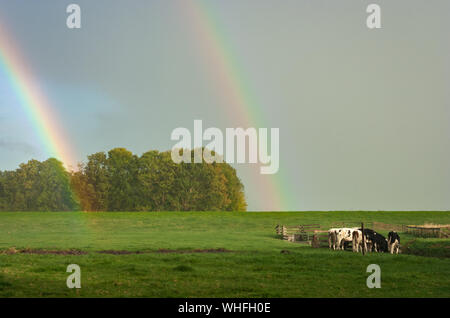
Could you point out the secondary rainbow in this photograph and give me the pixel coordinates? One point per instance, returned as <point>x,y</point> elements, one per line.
<point>38,109</point>
<point>231,85</point>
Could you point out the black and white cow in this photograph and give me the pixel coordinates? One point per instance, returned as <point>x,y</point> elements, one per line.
<point>344,236</point>
<point>332,238</point>
<point>338,238</point>
<point>375,241</point>
<point>369,238</point>
<point>357,243</point>
<point>393,242</point>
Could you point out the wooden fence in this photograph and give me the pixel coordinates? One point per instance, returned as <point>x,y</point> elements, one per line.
<point>420,231</point>
<point>300,233</point>
<point>320,238</point>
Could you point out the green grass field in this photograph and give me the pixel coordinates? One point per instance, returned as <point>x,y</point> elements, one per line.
<point>253,265</point>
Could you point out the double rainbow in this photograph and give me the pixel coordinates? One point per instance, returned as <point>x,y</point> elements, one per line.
<point>227,75</point>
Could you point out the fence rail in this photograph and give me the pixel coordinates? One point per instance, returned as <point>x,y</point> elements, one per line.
<point>425,231</point>
<point>299,233</point>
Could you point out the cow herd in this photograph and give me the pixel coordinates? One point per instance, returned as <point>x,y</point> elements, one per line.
<point>339,238</point>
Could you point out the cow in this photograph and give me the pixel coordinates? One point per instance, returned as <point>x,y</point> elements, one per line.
<point>393,242</point>
<point>357,241</point>
<point>381,244</point>
<point>375,241</point>
<point>344,235</point>
<point>368,238</point>
<point>332,238</point>
<point>338,238</point>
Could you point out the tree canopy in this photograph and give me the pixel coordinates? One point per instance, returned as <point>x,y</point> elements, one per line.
<point>37,186</point>
<point>121,181</point>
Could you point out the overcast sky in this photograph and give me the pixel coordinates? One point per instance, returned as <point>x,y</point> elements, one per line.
<point>364,115</point>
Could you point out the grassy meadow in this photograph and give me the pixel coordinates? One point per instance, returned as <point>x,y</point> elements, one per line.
<point>209,254</point>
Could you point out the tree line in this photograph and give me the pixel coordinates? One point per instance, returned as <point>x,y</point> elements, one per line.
<point>121,181</point>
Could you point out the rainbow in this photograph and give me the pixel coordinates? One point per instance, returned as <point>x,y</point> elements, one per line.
<point>231,85</point>
<point>36,106</point>
<point>227,76</point>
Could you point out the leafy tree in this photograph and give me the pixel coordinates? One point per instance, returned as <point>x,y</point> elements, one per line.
<point>37,186</point>
<point>121,171</point>
<point>55,193</point>
<point>121,181</point>
<point>84,191</point>
<point>96,178</point>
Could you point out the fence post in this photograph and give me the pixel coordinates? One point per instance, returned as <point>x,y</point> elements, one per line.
<point>363,239</point>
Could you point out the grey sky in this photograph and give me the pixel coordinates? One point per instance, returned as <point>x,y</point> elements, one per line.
<point>364,115</point>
